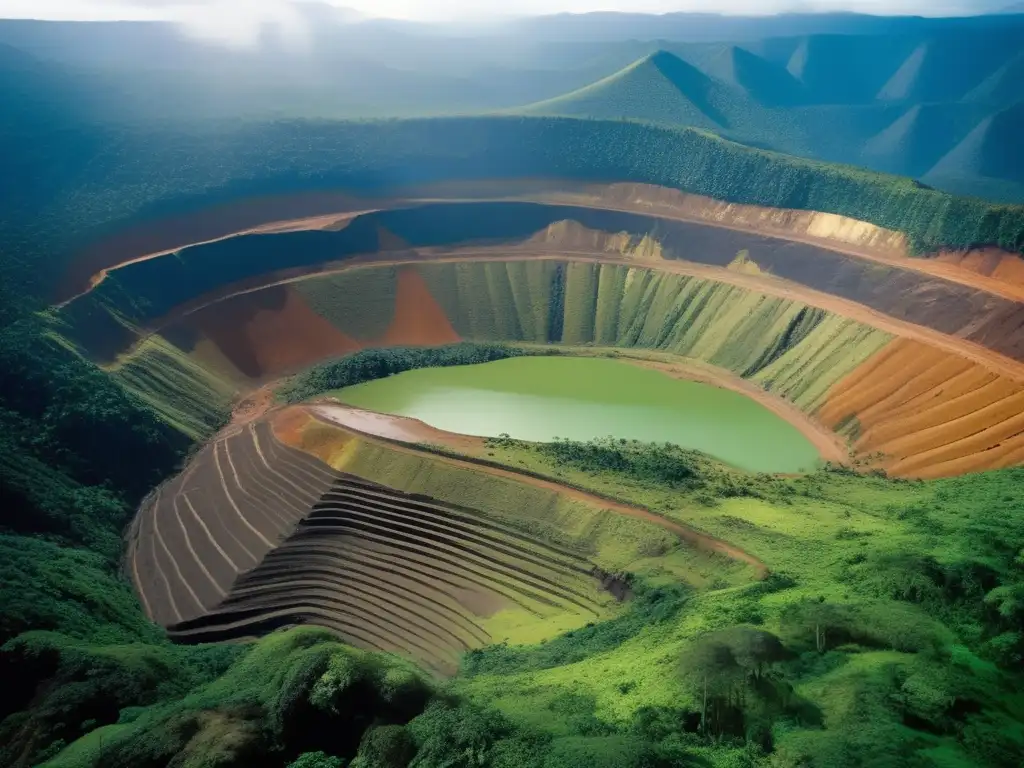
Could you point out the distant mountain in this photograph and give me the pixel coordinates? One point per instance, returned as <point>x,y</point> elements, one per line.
<point>711,27</point>
<point>764,81</point>
<point>941,108</point>
<point>1003,86</point>
<point>660,88</point>
<point>948,67</point>
<point>38,95</point>
<point>919,138</point>
<point>993,150</point>
<point>896,94</point>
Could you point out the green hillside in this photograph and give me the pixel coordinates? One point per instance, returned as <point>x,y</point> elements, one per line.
<point>175,173</point>
<point>1002,86</point>
<point>915,143</point>
<point>661,88</point>
<point>896,104</point>
<point>766,82</point>
<point>992,150</point>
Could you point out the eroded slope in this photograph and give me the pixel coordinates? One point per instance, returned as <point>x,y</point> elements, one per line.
<point>281,522</point>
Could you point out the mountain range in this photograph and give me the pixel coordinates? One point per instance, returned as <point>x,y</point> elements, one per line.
<point>929,98</point>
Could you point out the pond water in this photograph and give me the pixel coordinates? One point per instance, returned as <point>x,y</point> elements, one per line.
<point>542,398</point>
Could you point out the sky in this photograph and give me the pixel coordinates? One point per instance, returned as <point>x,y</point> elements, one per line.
<point>239,23</point>
<point>276,10</point>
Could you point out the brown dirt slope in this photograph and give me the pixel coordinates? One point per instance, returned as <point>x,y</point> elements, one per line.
<point>419,319</point>
<point>240,497</point>
<point>256,535</point>
<point>341,416</point>
<point>270,333</point>
<point>990,265</point>
<point>930,412</point>
<point>401,573</point>
<point>323,210</point>
<point>273,332</point>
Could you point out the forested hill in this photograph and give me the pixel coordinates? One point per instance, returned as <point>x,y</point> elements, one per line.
<point>906,95</point>
<point>120,176</point>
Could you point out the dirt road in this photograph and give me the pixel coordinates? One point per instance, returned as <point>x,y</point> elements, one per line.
<point>580,195</point>
<point>343,416</point>
<point>765,284</point>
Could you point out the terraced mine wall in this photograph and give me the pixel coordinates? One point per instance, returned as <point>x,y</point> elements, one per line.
<point>255,535</point>
<point>103,321</point>
<point>805,354</point>
<point>240,312</point>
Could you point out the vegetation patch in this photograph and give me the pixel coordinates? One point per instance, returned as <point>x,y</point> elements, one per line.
<point>370,364</point>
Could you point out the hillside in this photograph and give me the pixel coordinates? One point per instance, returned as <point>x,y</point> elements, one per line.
<point>821,87</point>
<point>989,151</point>
<point>767,83</point>
<point>182,173</point>
<point>919,138</point>
<point>660,88</point>
<point>895,103</point>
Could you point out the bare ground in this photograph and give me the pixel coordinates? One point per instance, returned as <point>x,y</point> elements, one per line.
<point>323,211</point>
<point>766,284</point>
<point>341,416</point>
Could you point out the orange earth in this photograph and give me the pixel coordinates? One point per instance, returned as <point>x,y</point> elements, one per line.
<point>275,335</point>
<point>419,320</point>
<point>931,412</point>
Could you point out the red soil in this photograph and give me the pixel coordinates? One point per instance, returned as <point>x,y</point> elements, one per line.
<point>276,335</point>
<point>273,332</point>
<point>419,319</point>
<point>986,266</point>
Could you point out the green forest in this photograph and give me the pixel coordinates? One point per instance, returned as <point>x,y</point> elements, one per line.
<point>909,632</point>
<point>370,364</point>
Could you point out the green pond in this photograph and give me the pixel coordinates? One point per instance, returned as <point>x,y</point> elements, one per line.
<point>541,398</point>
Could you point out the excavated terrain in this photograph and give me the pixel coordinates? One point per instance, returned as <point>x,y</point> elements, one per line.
<point>255,535</point>
<point>912,365</point>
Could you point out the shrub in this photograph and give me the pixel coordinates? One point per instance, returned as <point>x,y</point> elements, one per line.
<point>316,760</point>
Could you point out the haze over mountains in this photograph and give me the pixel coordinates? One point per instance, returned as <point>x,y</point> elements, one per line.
<point>933,98</point>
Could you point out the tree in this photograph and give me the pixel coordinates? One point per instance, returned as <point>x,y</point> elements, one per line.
<point>755,650</point>
<point>824,623</point>
<point>712,674</point>
<point>316,760</point>
<point>387,746</point>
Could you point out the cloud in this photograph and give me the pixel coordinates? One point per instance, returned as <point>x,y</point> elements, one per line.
<point>242,23</point>
<point>235,23</point>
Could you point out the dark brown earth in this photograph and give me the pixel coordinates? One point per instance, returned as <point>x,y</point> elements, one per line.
<point>272,334</point>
